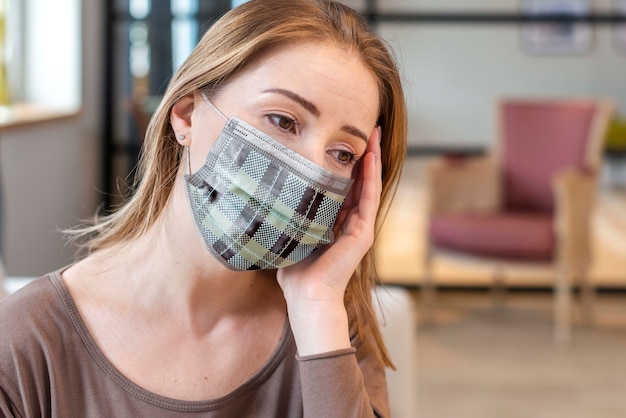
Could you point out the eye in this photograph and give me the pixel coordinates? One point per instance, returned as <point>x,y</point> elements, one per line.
<point>284,123</point>
<point>344,157</point>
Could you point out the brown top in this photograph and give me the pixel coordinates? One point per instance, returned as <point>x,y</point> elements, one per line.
<point>50,366</point>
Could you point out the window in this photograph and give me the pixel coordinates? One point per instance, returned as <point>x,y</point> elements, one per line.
<point>149,40</point>
<point>51,44</point>
<point>40,53</point>
<point>5,53</point>
<point>4,96</point>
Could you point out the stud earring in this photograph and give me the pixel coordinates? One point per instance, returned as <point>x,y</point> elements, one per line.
<point>181,137</point>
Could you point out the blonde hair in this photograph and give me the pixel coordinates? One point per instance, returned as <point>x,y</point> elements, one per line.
<point>229,45</point>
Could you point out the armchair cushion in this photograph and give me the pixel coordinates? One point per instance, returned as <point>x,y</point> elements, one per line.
<point>511,236</point>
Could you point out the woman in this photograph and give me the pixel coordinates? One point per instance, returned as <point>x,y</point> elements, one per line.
<point>230,284</point>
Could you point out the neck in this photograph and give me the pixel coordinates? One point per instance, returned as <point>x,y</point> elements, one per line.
<point>169,273</point>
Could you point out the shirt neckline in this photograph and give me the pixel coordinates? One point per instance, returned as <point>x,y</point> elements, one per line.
<point>150,397</point>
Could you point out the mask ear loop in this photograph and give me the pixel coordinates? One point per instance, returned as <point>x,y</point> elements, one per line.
<point>213,106</point>
<point>188,156</point>
<point>181,138</point>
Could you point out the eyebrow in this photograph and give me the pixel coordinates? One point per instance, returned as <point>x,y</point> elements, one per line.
<point>296,98</point>
<point>354,131</point>
<point>309,106</point>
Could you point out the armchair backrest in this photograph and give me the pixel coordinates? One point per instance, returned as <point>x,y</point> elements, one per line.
<point>539,138</point>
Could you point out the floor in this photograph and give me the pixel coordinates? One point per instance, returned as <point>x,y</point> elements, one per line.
<point>479,359</point>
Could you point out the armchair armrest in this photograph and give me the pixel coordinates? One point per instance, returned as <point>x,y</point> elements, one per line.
<point>574,198</point>
<point>470,184</point>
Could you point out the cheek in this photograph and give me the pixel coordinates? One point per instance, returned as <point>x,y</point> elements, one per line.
<point>353,173</point>
<point>203,139</point>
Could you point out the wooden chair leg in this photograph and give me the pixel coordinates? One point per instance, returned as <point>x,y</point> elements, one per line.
<point>499,289</point>
<point>562,308</point>
<point>587,297</point>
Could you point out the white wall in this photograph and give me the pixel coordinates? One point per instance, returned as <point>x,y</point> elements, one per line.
<point>50,172</point>
<point>455,72</point>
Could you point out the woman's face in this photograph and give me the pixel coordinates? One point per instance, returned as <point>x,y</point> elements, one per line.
<point>317,99</point>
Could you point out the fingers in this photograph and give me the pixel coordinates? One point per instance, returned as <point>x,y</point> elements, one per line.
<point>355,228</point>
<point>363,199</point>
<point>372,177</point>
<point>373,143</point>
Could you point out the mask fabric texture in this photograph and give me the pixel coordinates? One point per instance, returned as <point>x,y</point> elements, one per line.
<point>259,205</point>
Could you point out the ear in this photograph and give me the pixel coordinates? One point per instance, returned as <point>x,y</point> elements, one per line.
<point>180,119</point>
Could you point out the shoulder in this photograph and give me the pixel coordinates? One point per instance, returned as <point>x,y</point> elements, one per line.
<point>22,300</point>
<point>31,325</point>
<point>30,305</point>
<point>32,317</point>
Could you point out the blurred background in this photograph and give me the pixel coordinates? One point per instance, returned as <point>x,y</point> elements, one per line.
<point>79,80</point>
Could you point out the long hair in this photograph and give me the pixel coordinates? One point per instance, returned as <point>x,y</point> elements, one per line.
<point>235,40</point>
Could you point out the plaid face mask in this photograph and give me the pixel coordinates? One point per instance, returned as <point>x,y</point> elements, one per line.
<point>259,205</point>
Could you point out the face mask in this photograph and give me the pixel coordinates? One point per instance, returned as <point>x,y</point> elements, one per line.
<point>259,205</point>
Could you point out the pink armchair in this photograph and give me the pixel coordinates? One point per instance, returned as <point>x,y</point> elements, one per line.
<point>528,201</point>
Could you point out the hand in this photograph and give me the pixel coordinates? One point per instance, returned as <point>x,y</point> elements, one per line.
<point>314,288</point>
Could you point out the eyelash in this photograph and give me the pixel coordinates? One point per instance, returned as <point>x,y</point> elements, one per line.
<point>275,120</point>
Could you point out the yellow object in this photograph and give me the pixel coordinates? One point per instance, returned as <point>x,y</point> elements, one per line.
<point>4,87</point>
<point>616,135</point>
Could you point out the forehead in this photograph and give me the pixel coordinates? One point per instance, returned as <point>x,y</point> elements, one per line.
<point>312,67</point>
